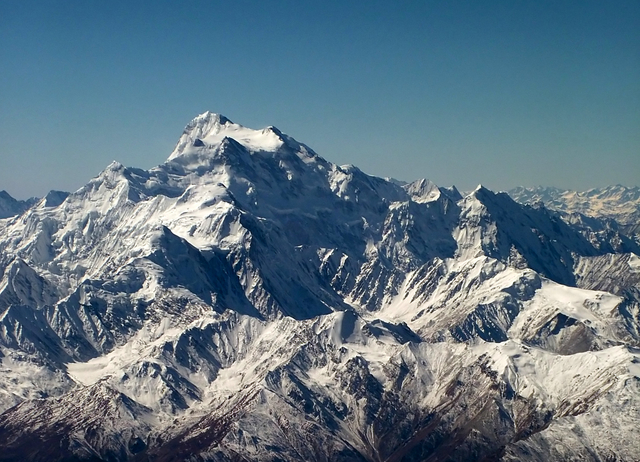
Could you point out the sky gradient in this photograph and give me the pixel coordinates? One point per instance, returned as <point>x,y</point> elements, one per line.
<point>502,93</point>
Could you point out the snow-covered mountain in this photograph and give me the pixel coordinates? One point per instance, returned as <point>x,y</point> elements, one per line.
<point>10,207</point>
<point>618,203</point>
<point>248,300</point>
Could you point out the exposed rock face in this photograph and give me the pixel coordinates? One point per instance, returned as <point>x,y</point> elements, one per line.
<point>248,300</point>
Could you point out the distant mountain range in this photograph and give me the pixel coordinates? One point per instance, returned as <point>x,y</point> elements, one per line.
<point>617,202</point>
<point>249,300</point>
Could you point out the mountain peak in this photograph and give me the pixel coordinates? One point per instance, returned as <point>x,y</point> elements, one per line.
<point>210,118</point>
<point>202,126</point>
<point>209,129</point>
<point>9,206</point>
<point>479,192</point>
<point>422,190</point>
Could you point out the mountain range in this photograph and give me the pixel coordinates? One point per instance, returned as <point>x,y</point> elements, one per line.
<point>249,300</point>
<point>617,203</point>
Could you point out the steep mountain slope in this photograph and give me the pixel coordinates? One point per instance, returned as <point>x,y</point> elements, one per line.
<point>248,300</point>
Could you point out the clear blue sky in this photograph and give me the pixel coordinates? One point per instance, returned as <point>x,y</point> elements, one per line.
<point>502,93</point>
